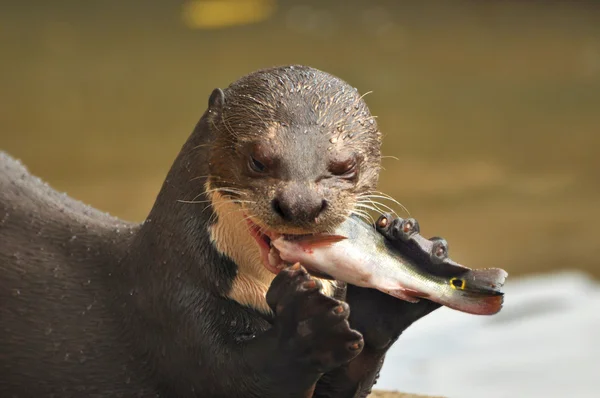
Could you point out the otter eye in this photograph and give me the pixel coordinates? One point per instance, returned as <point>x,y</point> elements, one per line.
<point>257,166</point>
<point>344,168</point>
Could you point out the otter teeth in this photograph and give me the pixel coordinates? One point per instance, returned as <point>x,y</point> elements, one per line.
<point>274,258</point>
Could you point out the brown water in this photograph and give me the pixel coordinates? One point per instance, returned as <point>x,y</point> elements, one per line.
<point>492,108</point>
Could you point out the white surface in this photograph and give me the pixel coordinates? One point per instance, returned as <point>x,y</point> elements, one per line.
<point>544,343</point>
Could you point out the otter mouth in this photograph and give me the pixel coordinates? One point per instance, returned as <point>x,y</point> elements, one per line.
<point>269,254</point>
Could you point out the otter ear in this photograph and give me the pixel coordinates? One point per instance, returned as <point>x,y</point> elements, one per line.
<point>216,100</point>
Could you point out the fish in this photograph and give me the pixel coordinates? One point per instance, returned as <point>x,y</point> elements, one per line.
<point>410,268</point>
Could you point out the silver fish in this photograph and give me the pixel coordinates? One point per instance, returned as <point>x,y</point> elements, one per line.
<point>410,269</point>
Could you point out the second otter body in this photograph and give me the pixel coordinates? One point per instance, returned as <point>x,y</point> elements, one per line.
<point>184,305</point>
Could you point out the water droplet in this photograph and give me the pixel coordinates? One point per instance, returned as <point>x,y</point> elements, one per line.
<point>73,238</point>
<point>333,140</point>
<point>16,292</point>
<point>329,148</point>
<point>346,110</point>
<point>233,323</point>
<point>371,121</point>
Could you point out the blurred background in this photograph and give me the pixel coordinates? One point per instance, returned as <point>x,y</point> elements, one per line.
<point>491,116</point>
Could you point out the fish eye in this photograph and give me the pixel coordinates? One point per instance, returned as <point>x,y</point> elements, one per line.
<point>457,283</point>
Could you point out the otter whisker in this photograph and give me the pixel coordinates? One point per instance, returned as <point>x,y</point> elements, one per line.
<point>220,205</point>
<point>364,95</point>
<point>378,205</point>
<point>245,218</point>
<point>193,202</point>
<point>374,207</point>
<point>389,156</point>
<point>382,195</point>
<point>201,146</point>
<point>232,184</point>
<point>195,197</point>
<point>366,208</point>
<point>225,190</point>
<point>364,215</point>
<point>360,215</point>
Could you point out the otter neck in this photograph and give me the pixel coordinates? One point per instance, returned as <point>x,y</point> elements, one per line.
<point>210,247</point>
<point>231,237</point>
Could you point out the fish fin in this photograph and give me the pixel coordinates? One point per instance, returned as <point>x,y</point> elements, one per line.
<point>477,304</point>
<point>314,241</point>
<point>412,296</point>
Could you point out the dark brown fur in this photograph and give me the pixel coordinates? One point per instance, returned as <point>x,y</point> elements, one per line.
<point>306,119</point>
<point>94,306</point>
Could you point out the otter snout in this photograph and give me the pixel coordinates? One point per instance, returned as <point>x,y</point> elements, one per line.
<point>299,205</point>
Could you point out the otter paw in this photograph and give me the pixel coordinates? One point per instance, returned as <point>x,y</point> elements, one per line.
<point>313,328</point>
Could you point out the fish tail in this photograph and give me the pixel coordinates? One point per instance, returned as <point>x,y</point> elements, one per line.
<point>479,291</point>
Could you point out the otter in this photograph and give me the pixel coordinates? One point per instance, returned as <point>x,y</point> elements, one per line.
<point>186,303</point>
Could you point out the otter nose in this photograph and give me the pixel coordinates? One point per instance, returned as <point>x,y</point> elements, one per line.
<point>300,206</point>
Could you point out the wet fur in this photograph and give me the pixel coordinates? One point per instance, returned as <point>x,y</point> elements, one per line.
<point>231,238</point>
<point>94,306</point>
<point>305,117</point>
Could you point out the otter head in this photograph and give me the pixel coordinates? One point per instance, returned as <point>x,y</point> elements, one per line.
<point>294,149</point>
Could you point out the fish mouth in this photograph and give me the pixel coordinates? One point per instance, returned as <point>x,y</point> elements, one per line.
<point>269,255</point>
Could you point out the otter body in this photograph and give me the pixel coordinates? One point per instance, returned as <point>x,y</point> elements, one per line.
<point>183,305</point>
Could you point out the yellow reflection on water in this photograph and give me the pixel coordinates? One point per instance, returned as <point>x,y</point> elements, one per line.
<point>211,14</point>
